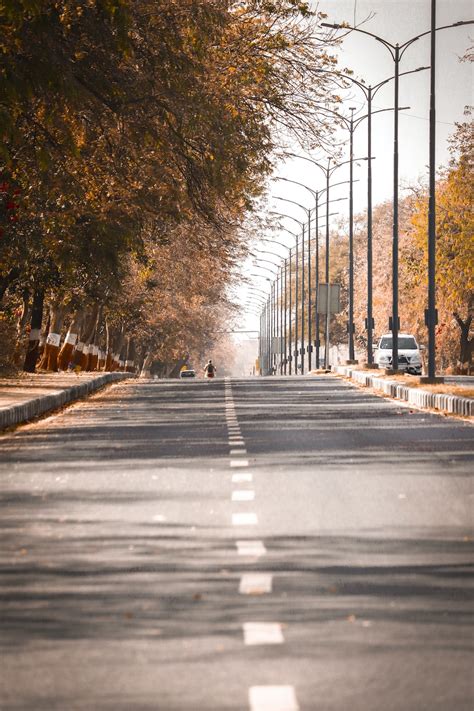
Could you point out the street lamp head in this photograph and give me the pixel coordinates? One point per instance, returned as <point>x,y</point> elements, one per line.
<point>332,26</point>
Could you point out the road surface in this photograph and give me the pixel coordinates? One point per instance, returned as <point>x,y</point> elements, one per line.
<point>270,544</point>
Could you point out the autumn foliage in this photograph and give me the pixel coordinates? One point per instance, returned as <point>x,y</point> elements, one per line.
<point>136,137</point>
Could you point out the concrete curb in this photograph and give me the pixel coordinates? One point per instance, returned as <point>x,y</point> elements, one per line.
<point>444,402</point>
<point>17,414</point>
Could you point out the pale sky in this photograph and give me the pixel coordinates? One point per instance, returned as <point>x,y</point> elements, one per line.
<point>396,21</point>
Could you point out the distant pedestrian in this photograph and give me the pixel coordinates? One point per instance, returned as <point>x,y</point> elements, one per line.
<point>210,369</point>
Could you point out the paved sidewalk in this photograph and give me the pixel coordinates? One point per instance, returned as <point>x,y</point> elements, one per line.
<point>29,396</point>
<point>453,403</point>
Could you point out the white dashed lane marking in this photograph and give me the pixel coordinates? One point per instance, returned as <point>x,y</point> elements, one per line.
<point>240,478</point>
<point>244,519</point>
<point>255,584</point>
<point>239,463</point>
<point>273,698</point>
<point>252,549</point>
<point>261,698</point>
<point>262,633</point>
<point>243,495</point>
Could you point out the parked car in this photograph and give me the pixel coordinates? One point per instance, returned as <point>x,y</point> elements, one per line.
<point>409,357</point>
<point>188,373</point>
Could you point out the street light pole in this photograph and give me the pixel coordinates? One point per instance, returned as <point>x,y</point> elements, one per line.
<point>328,317</point>
<point>327,171</point>
<point>395,317</point>
<point>269,332</point>
<point>431,315</point>
<point>351,236</point>
<point>308,216</point>
<point>285,318</point>
<point>369,92</point>
<point>370,319</point>
<point>351,125</point>
<point>296,307</point>
<point>290,333</point>
<point>301,225</point>
<point>315,195</point>
<point>397,51</point>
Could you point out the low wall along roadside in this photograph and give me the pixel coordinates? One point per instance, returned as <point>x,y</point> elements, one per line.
<point>26,398</point>
<point>444,402</point>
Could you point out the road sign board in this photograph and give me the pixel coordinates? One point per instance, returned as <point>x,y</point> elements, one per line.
<point>334,298</point>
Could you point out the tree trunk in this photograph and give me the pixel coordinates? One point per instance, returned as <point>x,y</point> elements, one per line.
<point>116,348</point>
<point>42,342</point>
<point>93,357</point>
<point>32,351</point>
<point>130,357</point>
<point>80,356</point>
<point>72,336</point>
<point>93,347</point>
<point>22,322</point>
<point>466,344</point>
<point>107,353</point>
<point>53,340</point>
<point>102,359</point>
<point>146,367</point>
<point>25,312</point>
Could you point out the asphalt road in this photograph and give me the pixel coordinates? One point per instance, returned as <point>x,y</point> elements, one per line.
<point>266,544</point>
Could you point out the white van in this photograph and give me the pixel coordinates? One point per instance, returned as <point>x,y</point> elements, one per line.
<point>409,357</point>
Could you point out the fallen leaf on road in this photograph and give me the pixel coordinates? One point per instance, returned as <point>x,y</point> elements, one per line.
<point>351,618</point>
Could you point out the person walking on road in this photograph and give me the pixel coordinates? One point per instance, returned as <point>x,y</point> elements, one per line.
<point>210,370</point>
